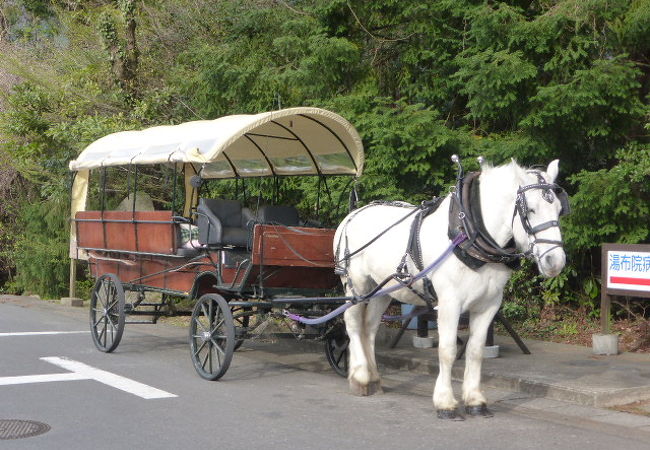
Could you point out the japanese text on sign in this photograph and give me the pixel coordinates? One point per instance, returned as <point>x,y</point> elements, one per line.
<point>628,270</point>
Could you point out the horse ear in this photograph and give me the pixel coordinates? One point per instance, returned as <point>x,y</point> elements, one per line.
<point>552,170</point>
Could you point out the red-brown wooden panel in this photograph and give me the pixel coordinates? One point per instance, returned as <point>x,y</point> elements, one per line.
<point>156,237</point>
<point>140,235</point>
<point>152,267</point>
<point>295,247</point>
<point>89,234</point>
<point>119,235</point>
<point>180,281</point>
<point>134,268</point>
<point>299,277</point>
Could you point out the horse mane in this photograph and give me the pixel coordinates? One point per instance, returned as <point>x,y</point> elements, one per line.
<point>504,173</point>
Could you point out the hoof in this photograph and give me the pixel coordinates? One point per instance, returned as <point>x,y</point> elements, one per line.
<point>478,410</point>
<point>449,414</point>
<point>364,390</point>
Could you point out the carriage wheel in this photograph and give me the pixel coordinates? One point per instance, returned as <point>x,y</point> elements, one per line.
<point>107,315</point>
<point>212,336</point>
<point>336,350</point>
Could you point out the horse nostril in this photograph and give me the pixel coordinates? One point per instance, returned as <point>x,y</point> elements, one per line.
<point>548,260</point>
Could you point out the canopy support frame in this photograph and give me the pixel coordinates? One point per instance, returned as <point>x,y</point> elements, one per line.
<point>313,159</point>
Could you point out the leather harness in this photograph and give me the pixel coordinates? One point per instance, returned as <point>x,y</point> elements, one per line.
<point>465,217</point>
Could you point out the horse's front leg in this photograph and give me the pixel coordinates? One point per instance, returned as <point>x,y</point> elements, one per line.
<point>359,375</point>
<point>475,402</point>
<point>362,322</point>
<point>372,320</point>
<point>443,394</point>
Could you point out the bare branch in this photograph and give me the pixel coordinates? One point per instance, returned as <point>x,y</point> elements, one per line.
<point>377,38</point>
<point>292,9</point>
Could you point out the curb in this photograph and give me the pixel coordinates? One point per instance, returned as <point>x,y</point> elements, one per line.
<point>533,388</point>
<point>403,359</point>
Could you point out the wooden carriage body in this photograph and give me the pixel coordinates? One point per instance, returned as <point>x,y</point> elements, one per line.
<point>143,249</point>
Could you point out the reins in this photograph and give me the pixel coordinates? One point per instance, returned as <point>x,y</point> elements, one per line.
<point>347,254</point>
<point>379,290</point>
<point>465,227</point>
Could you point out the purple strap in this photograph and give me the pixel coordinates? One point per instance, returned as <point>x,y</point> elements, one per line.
<point>341,309</point>
<point>318,320</point>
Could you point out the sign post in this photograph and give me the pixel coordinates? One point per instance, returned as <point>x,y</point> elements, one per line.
<point>625,270</point>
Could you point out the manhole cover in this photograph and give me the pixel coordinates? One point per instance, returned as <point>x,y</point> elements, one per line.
<point>18,429</point>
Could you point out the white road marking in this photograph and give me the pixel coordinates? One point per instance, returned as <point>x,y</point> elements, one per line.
<point>81,371</point>
<point>39,333</point>
<point>108,378</point>
<point>4,381</point>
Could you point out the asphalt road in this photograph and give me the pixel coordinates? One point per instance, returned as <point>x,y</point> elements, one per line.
<point>273,397</point>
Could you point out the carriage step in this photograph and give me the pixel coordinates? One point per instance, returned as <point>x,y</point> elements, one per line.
<point>141,322</point>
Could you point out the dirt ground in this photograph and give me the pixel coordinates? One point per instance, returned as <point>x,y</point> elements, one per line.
<point>640,408</point>
<point>563,325</point>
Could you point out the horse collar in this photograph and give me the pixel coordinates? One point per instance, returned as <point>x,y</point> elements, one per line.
<point>465,217</point>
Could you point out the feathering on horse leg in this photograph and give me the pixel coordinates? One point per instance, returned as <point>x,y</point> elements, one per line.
<point>443,394</point>
<point>475,401</point>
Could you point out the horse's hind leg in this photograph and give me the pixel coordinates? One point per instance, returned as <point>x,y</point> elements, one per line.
<point>475,402</point>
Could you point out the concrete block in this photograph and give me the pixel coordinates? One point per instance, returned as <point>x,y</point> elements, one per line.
<point>72,301</point>
<point>423,342</point>
<point>604,344</point>
<point>491,351</point>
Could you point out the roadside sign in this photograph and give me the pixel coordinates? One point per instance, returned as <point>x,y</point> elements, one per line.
<point>628,270</point>
<point>625,270</point>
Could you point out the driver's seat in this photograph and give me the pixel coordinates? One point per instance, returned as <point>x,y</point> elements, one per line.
<point>220,223</point>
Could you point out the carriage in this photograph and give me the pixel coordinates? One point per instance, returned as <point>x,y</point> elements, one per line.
<point>235,263</point>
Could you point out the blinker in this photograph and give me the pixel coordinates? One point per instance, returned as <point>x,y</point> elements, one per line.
<point>563,197</point>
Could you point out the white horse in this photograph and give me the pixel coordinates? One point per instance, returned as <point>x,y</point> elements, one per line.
<point>458,288</point>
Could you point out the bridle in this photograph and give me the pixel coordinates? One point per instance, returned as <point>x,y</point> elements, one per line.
<point>480,248</point>
<point>549,192</point>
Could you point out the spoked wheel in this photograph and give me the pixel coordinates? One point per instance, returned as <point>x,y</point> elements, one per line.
<point>336,350</point>
<point>107,315</point>
<point>212,336</point>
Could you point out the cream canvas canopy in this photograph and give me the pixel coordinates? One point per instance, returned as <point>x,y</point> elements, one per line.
<point>294,141</point>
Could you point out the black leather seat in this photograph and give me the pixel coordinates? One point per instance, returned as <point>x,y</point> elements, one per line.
<point>283,215</point>
<point>221,223</point>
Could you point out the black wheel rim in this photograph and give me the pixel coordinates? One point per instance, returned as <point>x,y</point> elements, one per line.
<point>336,350</point>
<point>107,315</point>
<point>212,337</point>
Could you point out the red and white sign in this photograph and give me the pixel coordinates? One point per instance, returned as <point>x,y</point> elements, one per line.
<point>628,270</point>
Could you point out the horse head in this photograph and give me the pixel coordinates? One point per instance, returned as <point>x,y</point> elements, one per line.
<point>539,205</point>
